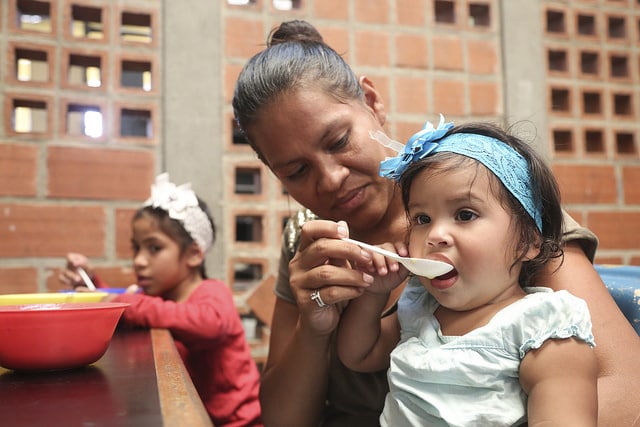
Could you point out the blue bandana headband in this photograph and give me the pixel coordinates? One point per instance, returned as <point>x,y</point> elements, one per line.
<point>501,159</point>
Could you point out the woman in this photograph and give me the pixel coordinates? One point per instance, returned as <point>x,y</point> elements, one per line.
<point>309,118</point>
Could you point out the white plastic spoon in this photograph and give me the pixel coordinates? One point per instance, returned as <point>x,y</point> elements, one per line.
<point>422,267</point>
<point>86,279</point>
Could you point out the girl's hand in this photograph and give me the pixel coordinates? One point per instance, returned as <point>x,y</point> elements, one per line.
<point>322,264</point>
<point>132,289</point>
<point>387,273</point>
<point>69,276</point>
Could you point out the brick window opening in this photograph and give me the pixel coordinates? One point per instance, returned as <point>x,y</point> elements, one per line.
<point>557,60</point>
<point>625,143</point>
<point>593,141</point>
<point>34,15</point>
<point>29,116</point>
<point>560,100</point>
<point>136,74</point>
<point>241,2</point>
<point>591,103</point>
<point>248,181</point>
<point>589,63</point>
<point>563,141</point>
<point>555,21</point>
<point>246,275</point>
<point>84,120</point>
<point>136,27</point>
<point>85,70</point>
<point>86,22</point>
<point>248,228</point>
<point>622,104</point>
<point>617,27</point>
<point>286,4</point>
<point>135,123</point>
<point>619,66</point>
<point>31,65</point>
<point>479,15</point>
<point>445,11</point>
<point>586,25</point>
<point>237,137</point>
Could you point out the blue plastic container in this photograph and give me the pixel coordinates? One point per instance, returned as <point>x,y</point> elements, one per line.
<point>623,282</point>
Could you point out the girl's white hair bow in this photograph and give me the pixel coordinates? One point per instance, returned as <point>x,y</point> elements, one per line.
<point>181,204</point>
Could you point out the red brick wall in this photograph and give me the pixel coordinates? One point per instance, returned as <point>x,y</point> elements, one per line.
<point>596,109</point>
<point>60,190</point>
<point>424,66</point>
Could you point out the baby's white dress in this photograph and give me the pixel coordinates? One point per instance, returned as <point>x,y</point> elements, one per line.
<point>472,380</point>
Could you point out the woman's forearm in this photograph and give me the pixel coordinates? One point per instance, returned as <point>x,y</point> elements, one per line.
<point>617,344</point>
<point>293,390</point>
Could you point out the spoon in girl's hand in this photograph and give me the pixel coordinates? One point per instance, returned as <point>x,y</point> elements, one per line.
<point>422,267</point>
<point>86,279</point>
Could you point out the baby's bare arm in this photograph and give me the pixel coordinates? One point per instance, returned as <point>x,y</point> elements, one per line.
<point>365,341</point>
<point>560,379</point>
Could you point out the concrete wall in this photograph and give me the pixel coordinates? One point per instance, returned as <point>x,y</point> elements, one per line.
<point>192,107</point>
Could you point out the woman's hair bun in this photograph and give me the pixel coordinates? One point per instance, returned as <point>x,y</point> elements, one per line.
<point>296,30</point>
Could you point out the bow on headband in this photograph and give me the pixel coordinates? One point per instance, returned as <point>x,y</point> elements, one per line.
<point>418,147</point>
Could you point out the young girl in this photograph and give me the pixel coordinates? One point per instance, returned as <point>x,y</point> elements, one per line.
<point>170,235</point>
<point>477,345</point>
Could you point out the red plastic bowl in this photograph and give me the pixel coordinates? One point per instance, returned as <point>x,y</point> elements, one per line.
<point>38,337</point>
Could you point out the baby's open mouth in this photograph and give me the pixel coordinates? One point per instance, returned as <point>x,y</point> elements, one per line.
<point>448,275</point>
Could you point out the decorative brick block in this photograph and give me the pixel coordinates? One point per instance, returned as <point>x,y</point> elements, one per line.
<point>51,230</point>
<point>17,280</point>
<point>586,183</point>
<point>18,170</point>
<point>100,174</point>
<point>616,230</point>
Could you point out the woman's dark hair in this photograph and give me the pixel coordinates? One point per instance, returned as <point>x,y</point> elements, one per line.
<point>295,57</point>
<point>546,194</point>
<point>174,229</point>
<point>294,30</point>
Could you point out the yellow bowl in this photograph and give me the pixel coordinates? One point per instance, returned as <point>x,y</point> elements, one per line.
<point>51,298</point>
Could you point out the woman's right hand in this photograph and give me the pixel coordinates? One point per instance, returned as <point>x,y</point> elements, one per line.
<point>323,263</point>
<point>69,276</point>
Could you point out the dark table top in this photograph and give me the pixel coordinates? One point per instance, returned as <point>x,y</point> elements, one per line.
<point>140,381</point>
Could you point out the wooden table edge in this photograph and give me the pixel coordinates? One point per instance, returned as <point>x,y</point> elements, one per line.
<point>179,401</point>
